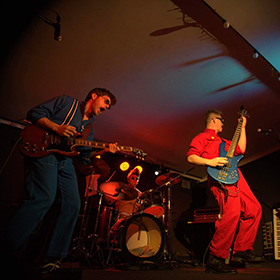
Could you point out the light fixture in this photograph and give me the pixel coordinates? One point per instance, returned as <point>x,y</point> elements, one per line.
<point>158,171</point>
<point>124,166</point>
<point>255,55</point>
<point>226,24</point>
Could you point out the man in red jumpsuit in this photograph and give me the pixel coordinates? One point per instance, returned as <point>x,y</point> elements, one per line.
<point>237,202</point>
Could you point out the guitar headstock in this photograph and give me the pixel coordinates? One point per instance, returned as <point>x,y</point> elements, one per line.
<point>139,153</point>
<point>243,112</point>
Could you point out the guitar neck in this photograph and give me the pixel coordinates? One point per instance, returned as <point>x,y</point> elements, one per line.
<point>99,145</point>
<point>234,140</point>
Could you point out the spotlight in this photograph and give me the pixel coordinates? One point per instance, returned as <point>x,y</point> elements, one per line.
<point>124,166</point>
<point>158,170</point>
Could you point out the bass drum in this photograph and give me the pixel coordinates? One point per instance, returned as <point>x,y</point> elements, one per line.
<point>138,237</point>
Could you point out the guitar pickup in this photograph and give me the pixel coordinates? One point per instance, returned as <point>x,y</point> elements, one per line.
<point>223,174</point>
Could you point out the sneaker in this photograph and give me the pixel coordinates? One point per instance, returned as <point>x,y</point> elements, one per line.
<point>217,265</point>
<point>246,256</point>
<point>49,266</point>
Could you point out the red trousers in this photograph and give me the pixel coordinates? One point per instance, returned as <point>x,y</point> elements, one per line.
<point>240,205</point>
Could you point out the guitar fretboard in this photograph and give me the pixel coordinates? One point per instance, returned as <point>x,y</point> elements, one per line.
<point>235,139</point>
<point>99,145</point>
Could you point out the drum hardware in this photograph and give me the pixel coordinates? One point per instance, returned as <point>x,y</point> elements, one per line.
<point>80,247</point>
<point>171,177</point>
<point>168,180</point>
<point>152,203</point>
<point>117,191</point>
<point>97,235</point>
<point>95,240</point>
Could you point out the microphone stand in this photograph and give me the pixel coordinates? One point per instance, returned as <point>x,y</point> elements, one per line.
<point>268,134</point>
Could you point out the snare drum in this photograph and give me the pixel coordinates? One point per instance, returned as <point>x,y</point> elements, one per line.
<point>152,203</point>
<point>138,237</point>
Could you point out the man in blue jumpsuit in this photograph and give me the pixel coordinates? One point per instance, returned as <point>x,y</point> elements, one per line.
<point>47,176</point>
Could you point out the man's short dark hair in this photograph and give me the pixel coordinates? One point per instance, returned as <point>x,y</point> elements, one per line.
<point>212,111</point>
<point>102,92</point>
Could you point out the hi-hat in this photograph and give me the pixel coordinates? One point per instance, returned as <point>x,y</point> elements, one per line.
<point>165,178</point>
<point>118,191</point>
<point>97,166</point>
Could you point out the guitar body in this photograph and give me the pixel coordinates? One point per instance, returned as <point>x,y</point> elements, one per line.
<point>227,174</point>
<point>38,142</point>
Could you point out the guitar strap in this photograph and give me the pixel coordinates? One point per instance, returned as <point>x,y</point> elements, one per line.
<point>71,113</point>
<point>226,190</point>
<point>86,132</point>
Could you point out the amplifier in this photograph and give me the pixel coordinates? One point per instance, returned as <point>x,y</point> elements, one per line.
<point>206,215</point>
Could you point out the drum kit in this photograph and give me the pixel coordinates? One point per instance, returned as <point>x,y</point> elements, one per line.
<point>142,236</point>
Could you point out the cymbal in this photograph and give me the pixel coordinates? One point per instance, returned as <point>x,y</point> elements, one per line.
<point>164,178</point>
<point>96,166</point>
<point>118,191</point>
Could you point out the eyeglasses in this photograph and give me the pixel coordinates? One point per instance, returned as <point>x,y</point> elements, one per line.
<point>221,119</point>
<point>134,178</point>
<point>107,101</point>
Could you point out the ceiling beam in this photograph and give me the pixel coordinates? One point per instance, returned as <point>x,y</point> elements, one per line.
<point>239,48</point>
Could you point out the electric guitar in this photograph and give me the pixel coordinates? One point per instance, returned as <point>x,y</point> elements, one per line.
<point>228,174</point>
<point>38,142</point>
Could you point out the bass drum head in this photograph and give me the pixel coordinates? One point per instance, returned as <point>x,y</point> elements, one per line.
<point>139,237</point>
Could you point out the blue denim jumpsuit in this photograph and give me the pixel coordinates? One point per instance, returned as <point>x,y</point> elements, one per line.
<point>45,177</point>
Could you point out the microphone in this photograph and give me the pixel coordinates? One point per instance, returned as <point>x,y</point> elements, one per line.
<point>56,25</point>
<point>266,131</point>
<point>56,34</point>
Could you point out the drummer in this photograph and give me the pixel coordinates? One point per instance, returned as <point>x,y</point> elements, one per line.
<point>128,207</point>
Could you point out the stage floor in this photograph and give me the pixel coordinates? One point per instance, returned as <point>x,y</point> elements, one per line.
<point>268,270</point>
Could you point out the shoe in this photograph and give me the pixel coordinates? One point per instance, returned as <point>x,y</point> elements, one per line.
<point>217,265</point>
<point>247,256</point>
<point>49,266</point>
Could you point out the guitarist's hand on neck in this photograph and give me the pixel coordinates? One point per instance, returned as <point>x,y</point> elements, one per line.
<point>243,138</point>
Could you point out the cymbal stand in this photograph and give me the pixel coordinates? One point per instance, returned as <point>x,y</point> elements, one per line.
<point>95,236</point>
<point>168,184</point>
<point>168,228</point>
<point>80,248</point>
